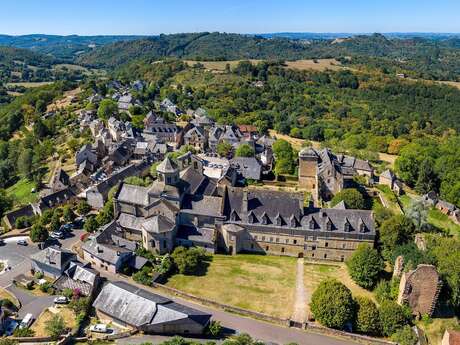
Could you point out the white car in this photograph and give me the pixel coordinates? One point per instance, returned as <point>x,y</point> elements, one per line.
<point>26,321</point>
<point>99,328</point>
<point>61,300</point>
<point>57,234</point>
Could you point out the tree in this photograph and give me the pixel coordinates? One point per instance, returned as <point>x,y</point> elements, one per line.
<point>392,317</point>
<point>418,213</point>
<point>244,151</point>
<point>224,148</point>
<point>107,108</point>
<point>83,208</point>
<point>189,261</point>
<point>332,304</point>
<point>55,222</point>
<point>351,197</point>
<point>285,158</point>
<point>55,327</point>
<point>367,316</point>
<point>405,336</point>
<point>91,224</point>
<point>214,328</point>
<point>365,266</point>
<point>25,163</point>
<point>241,339</point>
<point>38,233</point>
<point>68,214</point>
<point>5,202</point>
<point>427,180</point>
<point>396,231</point>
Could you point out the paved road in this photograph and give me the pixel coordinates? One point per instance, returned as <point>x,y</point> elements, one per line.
<point>300,304</point>
<point>30,303</point>
<point>260,330</point>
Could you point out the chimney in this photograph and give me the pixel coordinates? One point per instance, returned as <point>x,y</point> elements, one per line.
<point>244,206</point>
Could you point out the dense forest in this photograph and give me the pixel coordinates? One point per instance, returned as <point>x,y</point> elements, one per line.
<point>358,112</point>
<point>417,57</point>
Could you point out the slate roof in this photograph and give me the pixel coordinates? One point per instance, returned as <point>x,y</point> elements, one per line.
<point>138,307</point>
<point>196,234</point>
<point>192,178</point>
<point>78,276</point>
<point>132,194</point>
<point>388,174</point>
<point>128,221</point>
<point>248,167</point>
<point>198,131</point>
<point>167,166</point>
<point>203,205</point>
<point>54,257</point>
<point>60,176</point>
<point>158,224</point>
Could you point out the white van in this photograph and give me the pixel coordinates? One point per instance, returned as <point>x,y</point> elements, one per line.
<point>26,321</point>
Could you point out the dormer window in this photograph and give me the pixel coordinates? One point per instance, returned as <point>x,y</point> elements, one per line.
<point>278,220</point>
<point>311,224</point>
<point>234,216</point>
<point>329,224</point>
<point>347,227</point>
<point>362,226</point>
<point>265,219</point>
<point>252,218</point>
<point>292,221</point>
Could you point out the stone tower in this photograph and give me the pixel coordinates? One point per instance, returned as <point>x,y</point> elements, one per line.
<point>168,172</point>
<point>308,172</point>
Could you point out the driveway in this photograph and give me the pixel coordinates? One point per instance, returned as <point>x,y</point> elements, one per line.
<point>30,303</point>
<point>17,257</point>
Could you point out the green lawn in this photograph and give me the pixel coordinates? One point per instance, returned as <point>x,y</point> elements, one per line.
<point>21,192</point>
<point>263,284</point>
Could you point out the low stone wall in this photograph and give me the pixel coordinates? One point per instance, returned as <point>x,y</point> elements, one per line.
<point>32,340</point>
<point>226,307</point>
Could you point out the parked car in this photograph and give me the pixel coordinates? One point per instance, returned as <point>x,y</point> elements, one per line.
<point>61,300</point>
<point>57,234</point>
<point>22,243</point>
<point>26,321</point>
<point>78,223</point>
<point>2,242</point>
<point>66,227</point>
<point>99,328</point>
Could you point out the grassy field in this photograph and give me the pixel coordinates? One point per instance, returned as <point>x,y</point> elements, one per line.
<point>263,284</point>
<point>40,324</point>
<point>21,192</point>
<point>30,84</point>
<point>315,273</point>
<point>319,65</point>
<point>6,295</point>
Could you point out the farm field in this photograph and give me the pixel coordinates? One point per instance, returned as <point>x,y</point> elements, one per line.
<point>259,283</point>
<point>30,84</point>
<point>21,192</point>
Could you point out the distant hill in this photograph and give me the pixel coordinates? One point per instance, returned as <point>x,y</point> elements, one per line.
<point>418,57</point>
<point>10,56</point>
<point>62,47</point>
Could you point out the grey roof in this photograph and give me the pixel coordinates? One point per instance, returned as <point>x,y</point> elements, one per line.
<point>195,130</point>
<point>132,194</point>
<point>193,179</point>
<point>128,221</point>
<point>158,224</point>
<point>167,166</point>
<point>248,167</point>
<point>308,152</point>
<point>388,174</point>
<point>196,234</point>
<point>54,257</point>
<point>204,205</point>
<point>138,307</point>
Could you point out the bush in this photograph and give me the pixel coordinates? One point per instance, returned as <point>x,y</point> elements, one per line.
<point>143,276</point>
<point>244,151</point>
<point>83,208</point>
<point>396,231</point>
<point>45,287</point>
<point>386,290</point>
<point>23,332</point>
<point>367,316</point>
<point>332,304</point>
<point>38,233</point>
<point>393,317</point>
<point>7,303</point>
<point>214,328</point>
<point>55,327</point>
<point>405,336</point>
<point>38,275</point>
<point>365,266</point>
<point>67,293</point>
<point>22,222</point>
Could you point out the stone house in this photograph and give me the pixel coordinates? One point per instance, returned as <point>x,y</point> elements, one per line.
<point>388,178</point>
<point>52,261</point>
<point>196,137</point>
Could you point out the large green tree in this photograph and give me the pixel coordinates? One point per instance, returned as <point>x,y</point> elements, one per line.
<point>285,158</point>
<point>396,231</point>
<point>244,150</point>
<point>367,316</point>
<point>351,197</point>
<point>365,266</point>
<point>332,304</point>
<point>107,108</point>
<point>393,317</point>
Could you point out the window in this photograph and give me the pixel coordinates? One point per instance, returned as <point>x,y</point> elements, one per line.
<point>344,245</point>
<point>294,241</point>
<point>267,248</point>
<point>342,258</point>
<point>252,245</point>
<point>325,256</point>
<point>263,238</point>
<point>313,247</point>
<point>255,237</point>
<point>326,244</point>
<point>282,250</point>
<point>312,255</point>
<point>232,237</point>
<point>271,239</point>
<point>277,240</point>
<point>195,165</point>
<point>165,244</point>
<point>287,240</point>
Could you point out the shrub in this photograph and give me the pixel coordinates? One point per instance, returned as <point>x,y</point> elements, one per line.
<point>55,327</point>
<point>23,332</point>
<point>38,233</point>
<point>367,316</point>
<point>405,336</point>
<point>214,328</point>
<point>393,317</point>
<point>45,287</point>
<point>38,275</point>
<point>332,304</point>
<point>189,261</point>
<point>386,290</point>
<point>67,293</point>
<point>365,265</point>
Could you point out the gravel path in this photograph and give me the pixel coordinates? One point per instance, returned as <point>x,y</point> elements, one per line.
<point>300,303</point>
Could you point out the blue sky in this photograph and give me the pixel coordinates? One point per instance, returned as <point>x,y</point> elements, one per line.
<point>87,17</point>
